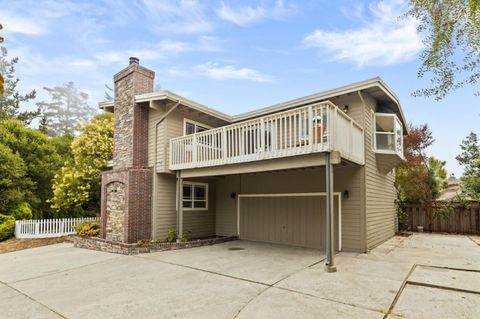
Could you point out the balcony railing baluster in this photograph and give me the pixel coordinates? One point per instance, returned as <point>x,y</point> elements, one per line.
<point>295,132</point>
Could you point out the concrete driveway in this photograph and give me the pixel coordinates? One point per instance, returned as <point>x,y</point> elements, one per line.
<point>422,276</point>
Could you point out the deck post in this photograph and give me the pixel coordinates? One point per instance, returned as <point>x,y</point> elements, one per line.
<point>179,205</point>
<point>329,213</point>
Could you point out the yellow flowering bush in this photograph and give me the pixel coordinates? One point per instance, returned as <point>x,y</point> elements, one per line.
<point>78,182</point>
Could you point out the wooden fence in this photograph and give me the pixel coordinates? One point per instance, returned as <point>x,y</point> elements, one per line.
<point>459,220</point>
<point>46,228</point>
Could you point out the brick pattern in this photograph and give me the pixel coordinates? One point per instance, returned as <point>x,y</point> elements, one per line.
<point>130,162</point>
<point>139,205</point>
<point>95,243</point>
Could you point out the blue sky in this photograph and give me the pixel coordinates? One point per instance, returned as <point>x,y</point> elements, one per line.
<point>234,56</point>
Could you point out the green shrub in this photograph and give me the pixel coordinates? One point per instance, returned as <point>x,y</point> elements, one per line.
<point>7,226</point>
<point>171,236</point>
<point>22,212</point>
<point>88,229</point>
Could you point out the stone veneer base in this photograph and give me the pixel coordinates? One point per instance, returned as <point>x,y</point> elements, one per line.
<point>100,244</point>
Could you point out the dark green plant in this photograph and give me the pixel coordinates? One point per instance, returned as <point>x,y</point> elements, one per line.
<point>185,236</point>
<point>15,187</point>
<point>40,163</point>
<point>22,212</point>
<point>7,226</point>
<point>401,215</point>
<point>470,160</point>
<point>88,229</point>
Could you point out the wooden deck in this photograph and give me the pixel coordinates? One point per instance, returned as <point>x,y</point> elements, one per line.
<point>315,128</point>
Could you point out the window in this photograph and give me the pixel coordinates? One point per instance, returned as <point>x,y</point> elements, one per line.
<point>194,127</point>
<point>387,133</point>
<point>195,196</point>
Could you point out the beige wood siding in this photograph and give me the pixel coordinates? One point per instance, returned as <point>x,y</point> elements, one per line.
<point>201,223</point>
<point>164,214</point>
<point>196,223</point>
<point>380,190</point>
<point>299,181</point>
<point>154,116</point>
<point>226,206</point>
<point>297,221</point>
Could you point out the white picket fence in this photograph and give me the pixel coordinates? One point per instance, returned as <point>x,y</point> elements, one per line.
<point>47,228</point>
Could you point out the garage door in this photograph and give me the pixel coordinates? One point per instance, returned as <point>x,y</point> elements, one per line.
<point>290,219</point>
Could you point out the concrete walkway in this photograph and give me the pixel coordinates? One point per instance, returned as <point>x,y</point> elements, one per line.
<point>422,276</point>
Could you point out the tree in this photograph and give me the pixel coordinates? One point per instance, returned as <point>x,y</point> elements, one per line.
<point>63,145</point>
<point>77,186</point>
<point>2,82</point>
<point>40,159</point>
<point>67,108</point>
<point>15,188</point>
<point>412,175</point>
<point>419,178</point>
<point>11,100</point>
<point>438,177</point>
<point>470,159</point>
<point>452,43</point>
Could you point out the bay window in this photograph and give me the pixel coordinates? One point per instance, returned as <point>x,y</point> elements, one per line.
<point>387,134</point>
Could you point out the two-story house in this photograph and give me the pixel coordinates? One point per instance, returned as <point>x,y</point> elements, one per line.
<point>317,171</point>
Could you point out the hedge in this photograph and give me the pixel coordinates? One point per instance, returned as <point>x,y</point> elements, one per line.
<point>7,226</point>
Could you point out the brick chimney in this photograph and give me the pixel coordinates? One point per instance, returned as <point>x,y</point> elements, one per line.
<point>131,120</point>
<point>127,189</point>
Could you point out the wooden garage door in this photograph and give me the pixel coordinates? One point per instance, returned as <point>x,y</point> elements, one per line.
<point>290,220</point>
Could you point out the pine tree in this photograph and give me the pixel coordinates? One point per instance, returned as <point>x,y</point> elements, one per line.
<point>67,109</point>
<point>11,100</point>
<point>470,159</point>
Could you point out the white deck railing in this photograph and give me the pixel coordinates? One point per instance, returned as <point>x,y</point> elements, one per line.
<point>314,128</point>
<point>45,228</point>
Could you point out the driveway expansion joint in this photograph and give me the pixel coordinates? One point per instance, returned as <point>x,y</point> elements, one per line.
<point>61,271</point>
<point>33,299</point>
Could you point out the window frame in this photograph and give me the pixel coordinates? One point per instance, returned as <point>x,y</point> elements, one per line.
<point>185,121</point>
<point>193,184</point>
<point>396,121</point>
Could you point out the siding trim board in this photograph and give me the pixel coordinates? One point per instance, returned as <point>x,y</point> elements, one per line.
<point>338,195</point>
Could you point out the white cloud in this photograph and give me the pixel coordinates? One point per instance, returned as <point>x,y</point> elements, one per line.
<point>160,50</point>
<point>180,16</point>
<point>32,17</point>
<point>18,24</point>
<point>216,71</point>
<point>383,40</point>
<point>245,15</point>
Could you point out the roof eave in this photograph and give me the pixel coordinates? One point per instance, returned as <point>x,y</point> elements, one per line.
<point>167,95</point>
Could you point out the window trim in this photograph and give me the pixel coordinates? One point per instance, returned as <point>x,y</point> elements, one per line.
<point>374,134</point>
<point>188,183</point>
<point>185,121</point>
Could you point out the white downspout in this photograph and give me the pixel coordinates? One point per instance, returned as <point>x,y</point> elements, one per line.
<point>154,193</point>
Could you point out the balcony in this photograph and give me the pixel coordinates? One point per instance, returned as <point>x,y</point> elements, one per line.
<point>310,129</point>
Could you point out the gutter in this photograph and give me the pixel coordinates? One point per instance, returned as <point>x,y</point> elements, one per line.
<point>363,215</point>
<point>154,195</point>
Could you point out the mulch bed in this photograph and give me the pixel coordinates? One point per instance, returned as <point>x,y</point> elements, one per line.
<point>14,244</point>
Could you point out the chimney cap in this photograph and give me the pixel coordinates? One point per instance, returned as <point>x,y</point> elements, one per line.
<point>133,60</point>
